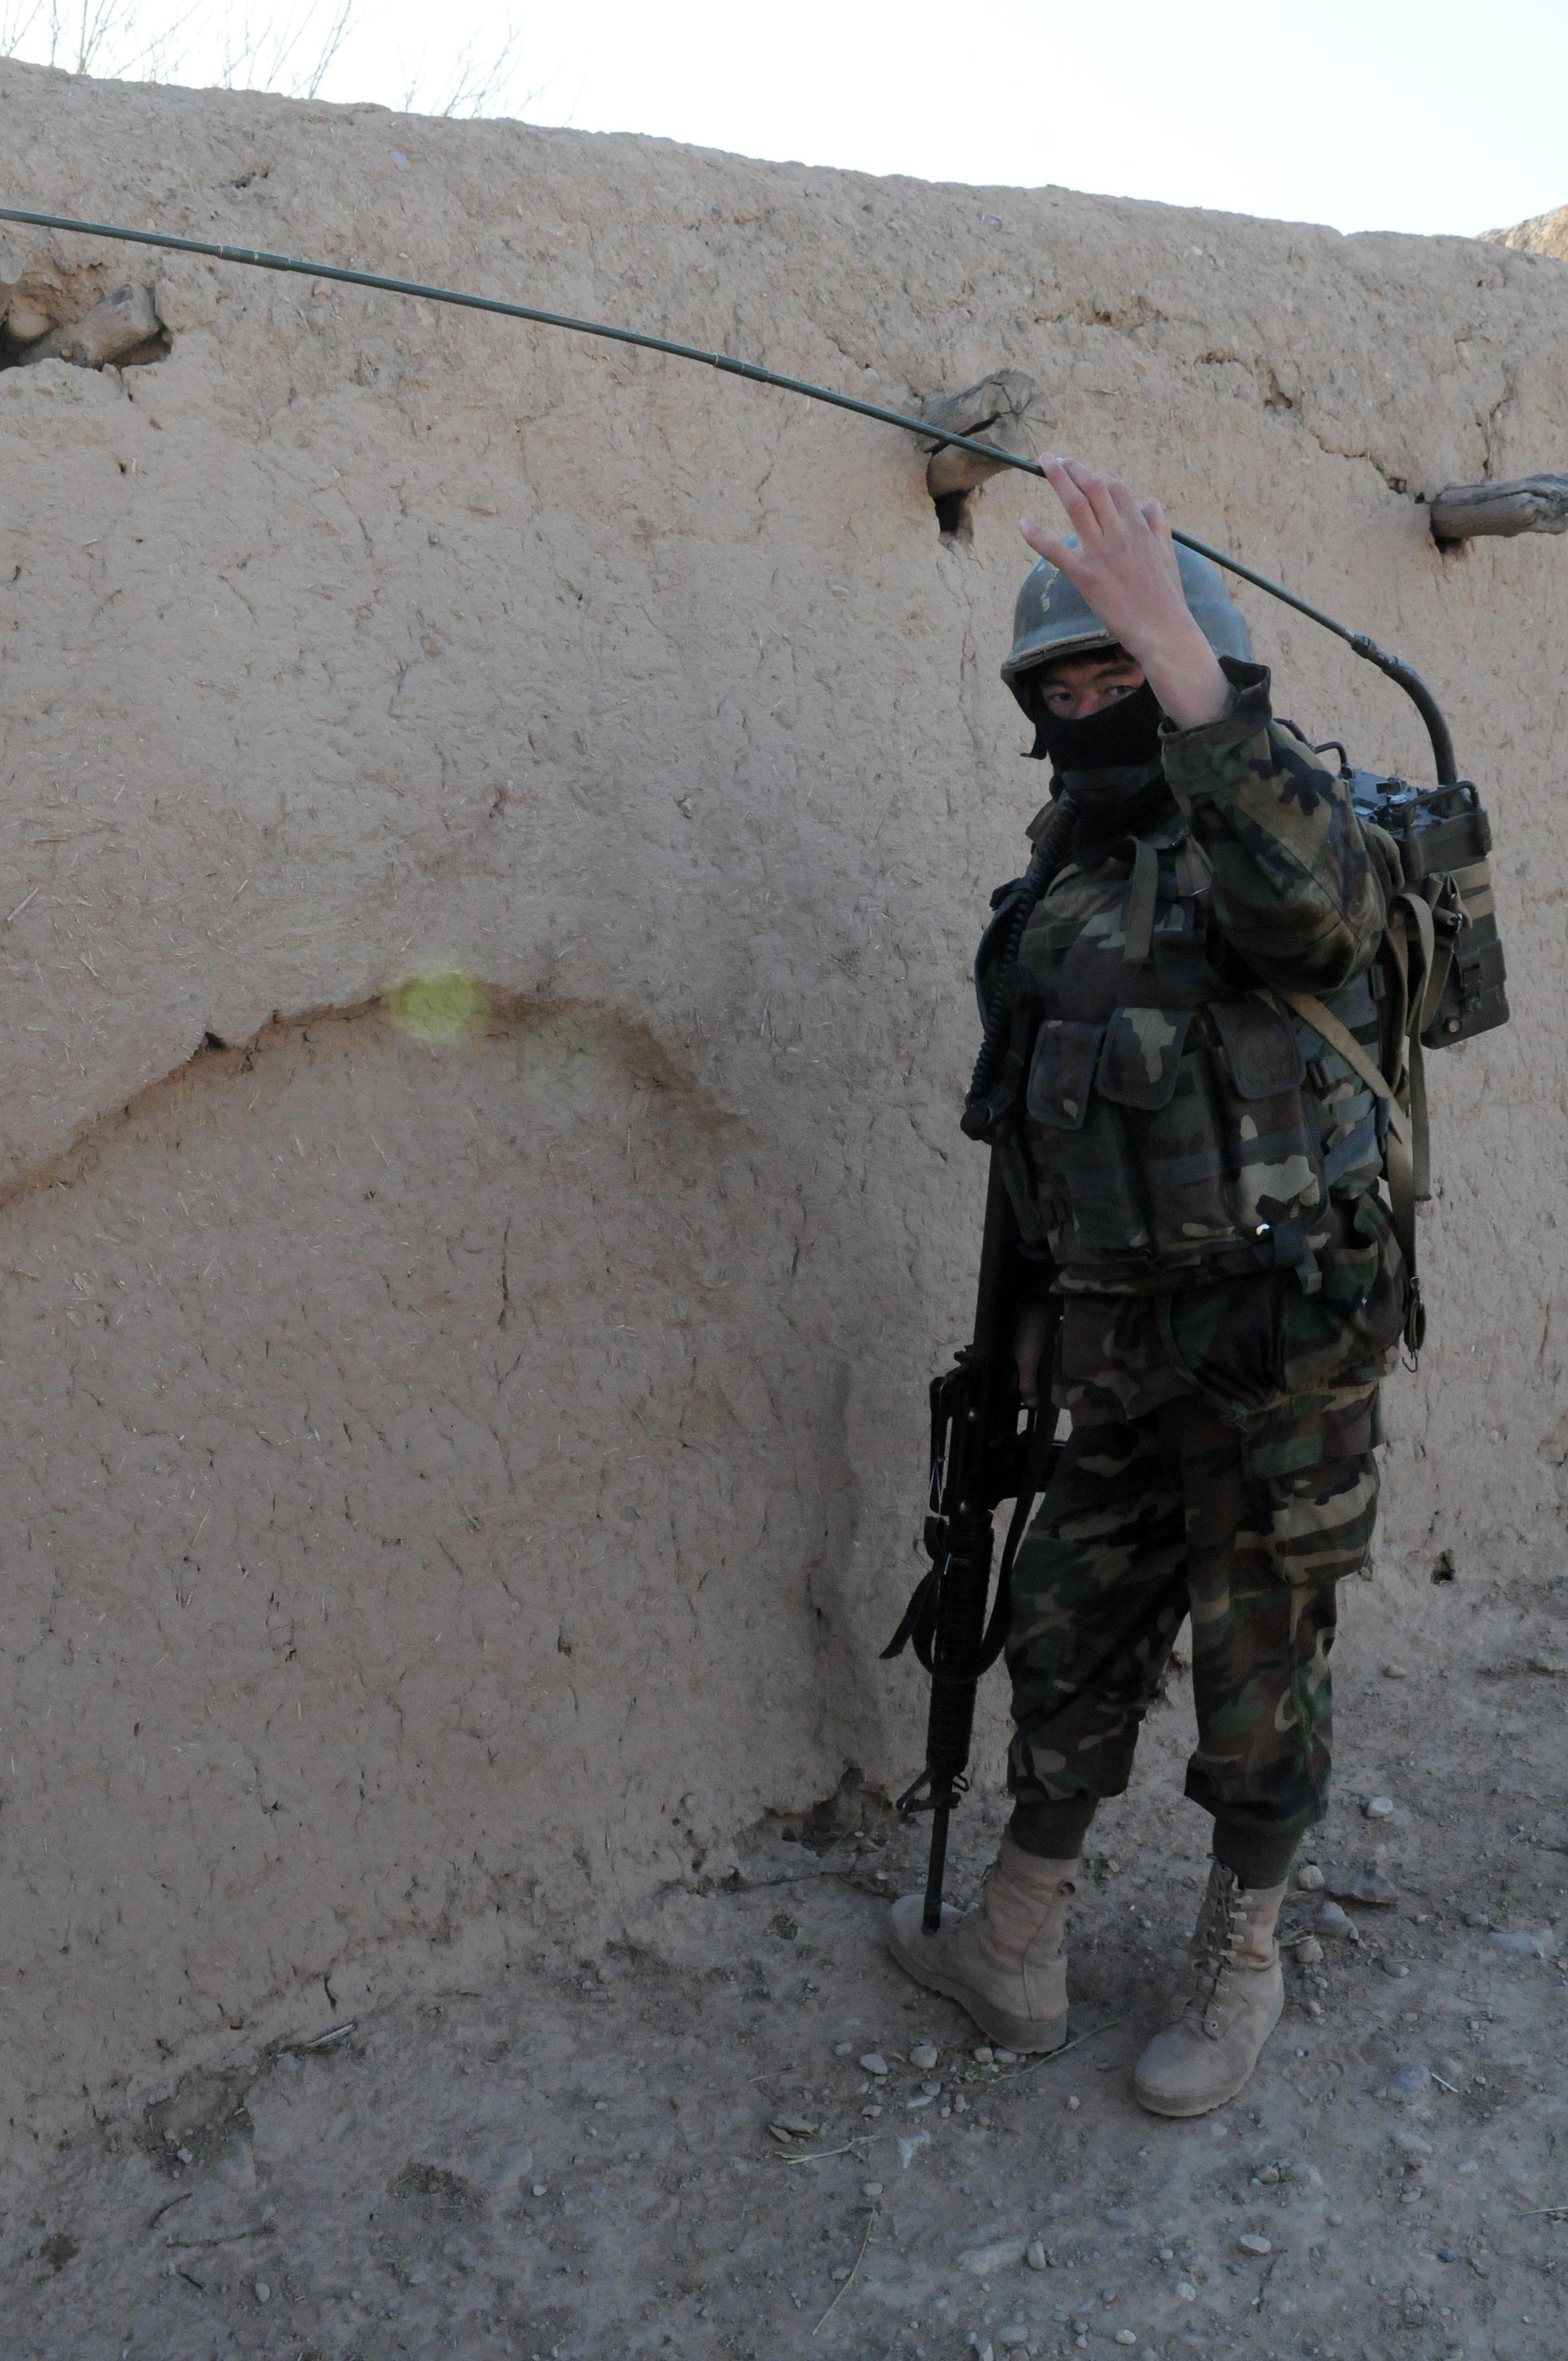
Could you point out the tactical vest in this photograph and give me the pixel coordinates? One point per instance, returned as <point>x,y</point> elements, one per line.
<point>1181,1121</point>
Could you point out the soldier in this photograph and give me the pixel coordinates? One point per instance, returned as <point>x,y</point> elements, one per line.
<point>1196,1179</point>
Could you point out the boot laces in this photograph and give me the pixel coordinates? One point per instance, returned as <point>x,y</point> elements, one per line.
<point>1220,1934</point>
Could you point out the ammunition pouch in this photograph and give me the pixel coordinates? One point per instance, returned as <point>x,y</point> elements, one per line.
<point>1166,1144</point>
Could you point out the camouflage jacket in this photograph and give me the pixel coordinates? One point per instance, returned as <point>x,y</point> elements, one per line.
<point>1188,1146</point>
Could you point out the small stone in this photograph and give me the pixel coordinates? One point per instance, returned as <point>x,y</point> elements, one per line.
<point>1367,1886</point>
<point>909,2148</point>
<point>511,2162</point>
<point>1166,2254</point>
<point>1412,2143</point>
<point>931,2089</point>
<point>1251,2242</point>
<point>843,2049</point>
<point>793,2128</point>
<point>1309,1877</point>
<point>983,2056</point>
<point>263,2292</point>
<point>870,2189</point>
<point>1331,1920</point>
<point>1378,1808</point>
<point>1186,2291</point>
<point>1517,1941</point>
<point>999,2255</point>
<point>1035,2255</point>
<point>924,2056</point>
<point>1073,2106</point>
<point>1118,2218</point>
<point>874,2062</point>
<point>185,2156</point>
<point>1410,2082</point>
<point>1395,1968</point>
<point>1269,2176</point>
<point>1004,2058</point>
<point>1308,1953</point>
<point>1125,2336</point>
<point>541,2188</point>
<point>1393,1671</point>
<point>1548,1664</point>
<point>1013,2336</point>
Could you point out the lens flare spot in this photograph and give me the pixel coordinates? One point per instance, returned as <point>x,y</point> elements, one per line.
<point>440,1004</point>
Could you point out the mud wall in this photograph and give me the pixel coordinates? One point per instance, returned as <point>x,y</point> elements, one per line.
<point>460,1486</point>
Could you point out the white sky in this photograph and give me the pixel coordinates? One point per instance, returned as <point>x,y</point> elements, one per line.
<point>1409,115</point>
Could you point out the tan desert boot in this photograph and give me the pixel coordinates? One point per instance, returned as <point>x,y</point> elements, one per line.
<point>1002,1961</point>
<point>1226,2008</point>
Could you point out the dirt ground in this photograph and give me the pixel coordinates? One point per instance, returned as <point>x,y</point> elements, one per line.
<point>573,2157</point>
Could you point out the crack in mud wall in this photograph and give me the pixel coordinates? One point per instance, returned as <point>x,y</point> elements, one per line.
<point>395,1463</point>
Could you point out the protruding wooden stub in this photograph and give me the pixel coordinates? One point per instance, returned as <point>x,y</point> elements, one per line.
<point>124,322</point>
<point>1532,504</point>
<point>1007,409</point>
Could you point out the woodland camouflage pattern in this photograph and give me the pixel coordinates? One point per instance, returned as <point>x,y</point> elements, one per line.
<point>1223,1386</point>
<point>1148,1519</point>
<point>1176,1106</point>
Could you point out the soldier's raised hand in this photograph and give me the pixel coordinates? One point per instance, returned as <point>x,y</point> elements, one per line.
<point>1124,562</point>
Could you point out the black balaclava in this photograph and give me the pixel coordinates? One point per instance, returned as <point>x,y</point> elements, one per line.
<point>1110,763</point>
<point>1114,739</point>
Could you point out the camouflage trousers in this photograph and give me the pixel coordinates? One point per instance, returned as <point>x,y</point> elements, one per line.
<point>1247,1528</point>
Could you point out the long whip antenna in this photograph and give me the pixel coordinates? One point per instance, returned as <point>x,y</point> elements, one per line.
<point>257,258</point>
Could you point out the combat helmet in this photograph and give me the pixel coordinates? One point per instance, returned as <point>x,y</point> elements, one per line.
<point>1052,618</point>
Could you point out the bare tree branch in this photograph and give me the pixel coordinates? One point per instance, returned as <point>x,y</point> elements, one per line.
<point>291,46</point>
<point>475,84</point>
<point>337,34</point>
<point>266,56</point>
<point>79,36</point>
<point>159,59</point>
<point>18,18</point>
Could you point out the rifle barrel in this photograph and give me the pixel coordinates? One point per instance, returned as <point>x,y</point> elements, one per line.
<point>935,1868</point>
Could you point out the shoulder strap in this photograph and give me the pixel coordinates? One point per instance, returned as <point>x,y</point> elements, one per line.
<point>1401,1159</point>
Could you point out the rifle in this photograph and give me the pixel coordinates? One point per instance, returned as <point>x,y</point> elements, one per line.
<point>980,1454</point>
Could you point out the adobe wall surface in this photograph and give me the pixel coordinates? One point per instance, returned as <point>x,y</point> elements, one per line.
<point>1542,234</point>
<point>457,1486</point>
